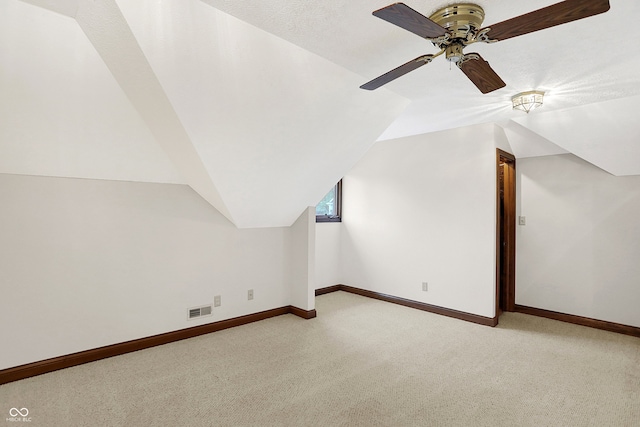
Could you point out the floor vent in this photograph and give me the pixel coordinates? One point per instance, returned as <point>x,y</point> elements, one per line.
<point>199,312</point>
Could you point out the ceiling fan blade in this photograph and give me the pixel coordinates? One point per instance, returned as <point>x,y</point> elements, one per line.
<point>480,73</point>
<point>397,72</point>
<point>550,16</point>
<point>404,17</point>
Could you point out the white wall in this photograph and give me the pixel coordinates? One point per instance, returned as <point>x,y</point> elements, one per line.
<point>579,251</point>
<point>303,259</point>
<point>88,263</point>
<point>328,254</point>
<point>423,208</point>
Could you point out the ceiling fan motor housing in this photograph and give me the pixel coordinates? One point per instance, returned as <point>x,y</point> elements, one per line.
<point>462,21</point>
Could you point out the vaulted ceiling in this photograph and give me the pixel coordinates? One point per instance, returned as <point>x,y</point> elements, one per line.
<point>256,105</point>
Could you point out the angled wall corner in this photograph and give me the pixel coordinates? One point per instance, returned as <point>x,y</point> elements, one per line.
<point>158,123</point>
<point>109,32</point>
<point>303,260</point>
<point>63,7</point>
<point>524,142</point>
<point>274,124</point>
<point>604,134</point>
<point>259,153</point>
<point>501,139</point>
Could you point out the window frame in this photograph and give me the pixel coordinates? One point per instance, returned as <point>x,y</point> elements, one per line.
<point>338,216</point>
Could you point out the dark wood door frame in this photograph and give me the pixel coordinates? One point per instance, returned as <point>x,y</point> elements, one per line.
<point>505,232</point>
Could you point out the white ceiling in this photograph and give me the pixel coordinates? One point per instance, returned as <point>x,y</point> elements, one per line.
<point>581,62</point>
<point>256,105</point>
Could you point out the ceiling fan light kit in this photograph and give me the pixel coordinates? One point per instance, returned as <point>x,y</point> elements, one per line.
<point>454,27</point>
<point>527,101</point>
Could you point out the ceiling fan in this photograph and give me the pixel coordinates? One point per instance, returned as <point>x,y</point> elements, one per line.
<point>454,27</point>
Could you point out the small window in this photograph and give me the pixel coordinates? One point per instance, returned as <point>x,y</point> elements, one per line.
<point>330,207</point>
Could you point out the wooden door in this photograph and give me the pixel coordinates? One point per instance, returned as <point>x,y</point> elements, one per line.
<point>505,232</point>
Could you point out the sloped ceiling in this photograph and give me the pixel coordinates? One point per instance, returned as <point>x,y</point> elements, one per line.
<point>259,127</point>
<point>62,112</point>
<point>614,148</point>
<point>256,104</point>
<point>577,64</point>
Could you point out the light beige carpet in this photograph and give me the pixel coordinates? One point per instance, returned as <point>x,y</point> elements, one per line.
<point>361,362</point>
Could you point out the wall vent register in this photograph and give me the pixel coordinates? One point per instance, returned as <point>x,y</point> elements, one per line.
<point>199,312</point>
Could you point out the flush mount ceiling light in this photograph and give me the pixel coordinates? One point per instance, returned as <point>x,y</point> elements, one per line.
<point>527,101</point>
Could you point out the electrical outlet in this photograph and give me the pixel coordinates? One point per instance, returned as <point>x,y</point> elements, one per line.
<point>250,294</point>
<point>425,286</point>
<point>217,301</point>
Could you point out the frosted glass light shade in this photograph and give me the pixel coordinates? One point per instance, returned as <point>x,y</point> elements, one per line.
<point>527,101</point>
